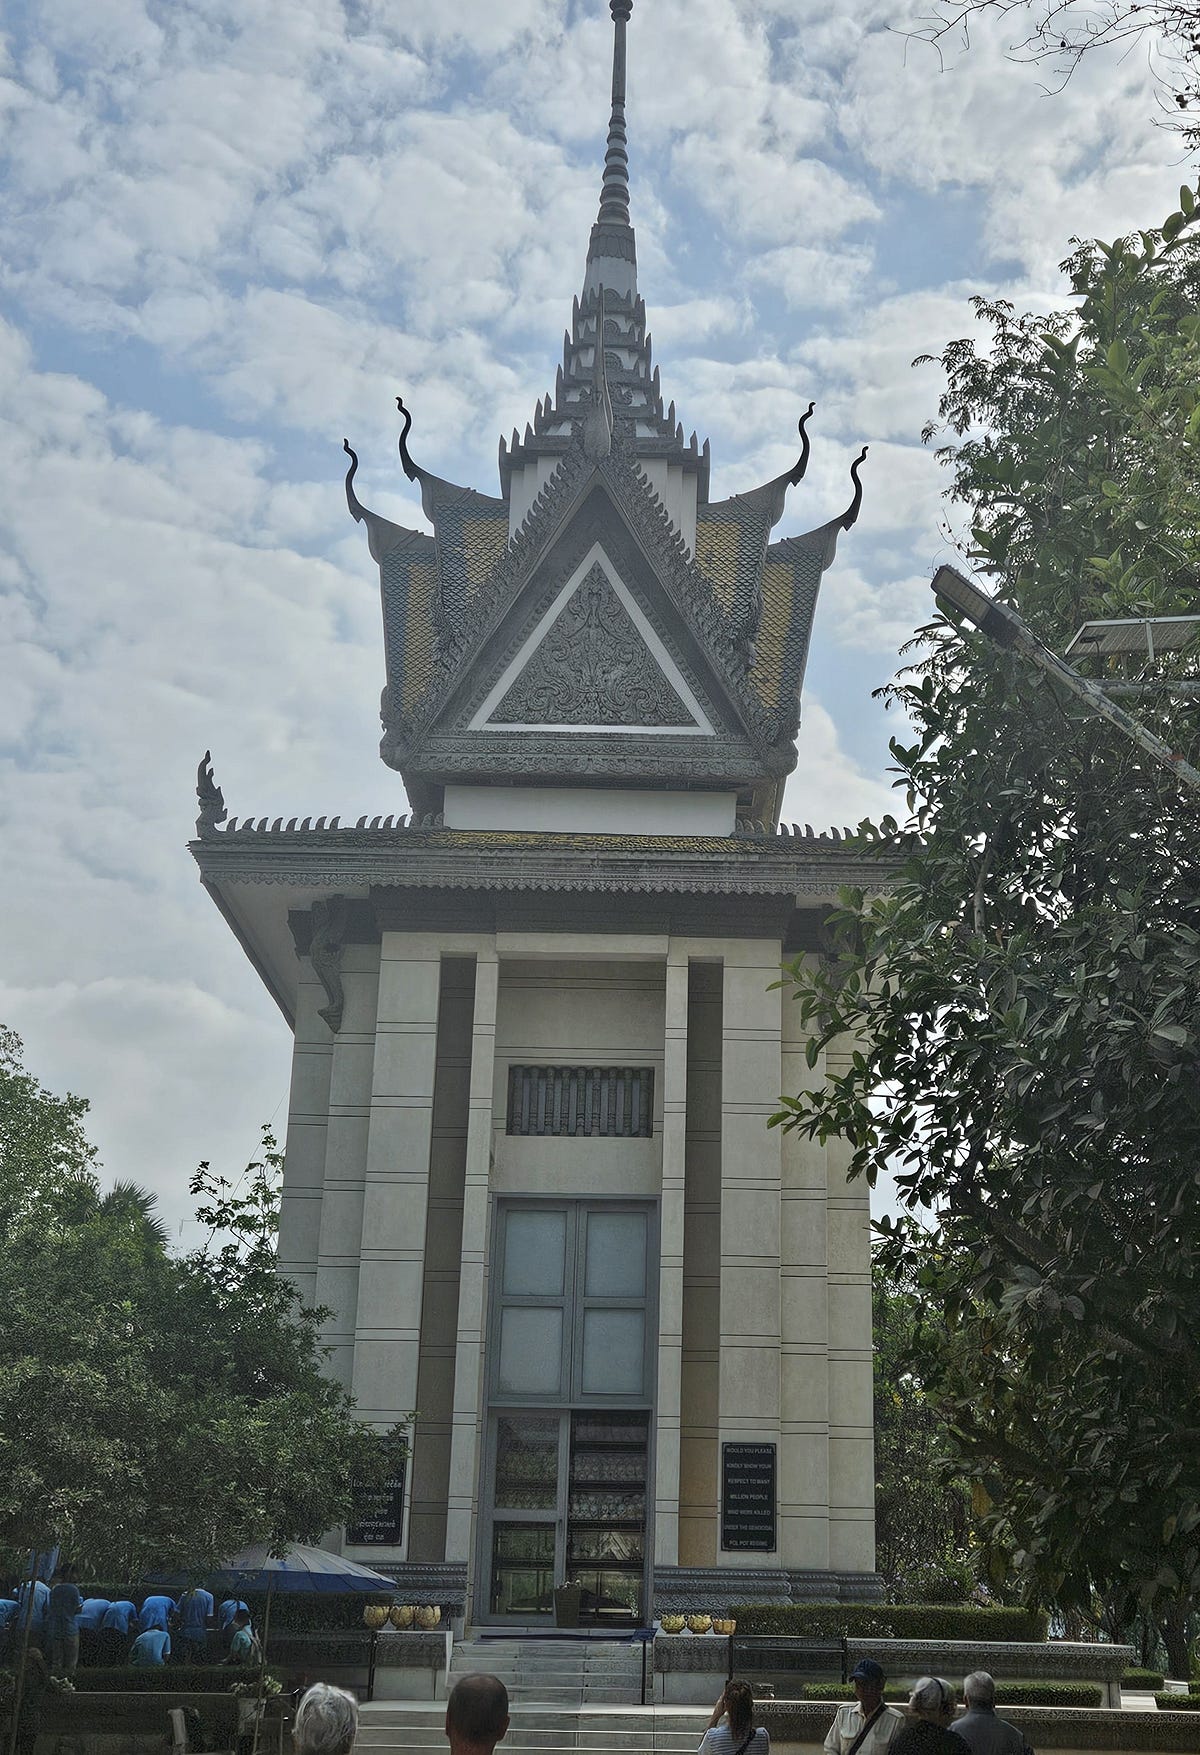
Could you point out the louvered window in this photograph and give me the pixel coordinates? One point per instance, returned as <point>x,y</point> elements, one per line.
<point>606,1102</point>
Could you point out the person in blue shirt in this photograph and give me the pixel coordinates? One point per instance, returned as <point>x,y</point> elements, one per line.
<point>243,1647</point>
<point>41,1596</point>
<point>151,1649</point>
<point>62,1622</point>
<point>194,1614</point>
<point>116,1627</point>
<point>228,1609</point>
<point>155,1615</point>
<point>90,1617</point>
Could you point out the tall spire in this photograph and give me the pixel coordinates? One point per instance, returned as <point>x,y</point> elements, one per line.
<point>612,256</point>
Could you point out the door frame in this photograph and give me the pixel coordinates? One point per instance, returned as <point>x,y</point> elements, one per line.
<point>480,1608</point>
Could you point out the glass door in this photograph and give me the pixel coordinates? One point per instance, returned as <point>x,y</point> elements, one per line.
<point>570,1348</point>
<point>606,1515</point>
<point>527,1519</point>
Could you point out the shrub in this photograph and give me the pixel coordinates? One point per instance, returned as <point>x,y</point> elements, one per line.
<point>1149,1681</point>
<point>890,1621</point>
<point>1007,1693</point>
<point>170,1679</point>
<point>1177,1702</point>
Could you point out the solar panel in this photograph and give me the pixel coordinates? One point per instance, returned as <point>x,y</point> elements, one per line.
<point>1141,638</point>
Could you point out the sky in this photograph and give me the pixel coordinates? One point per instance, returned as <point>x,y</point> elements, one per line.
<point>231,231</point>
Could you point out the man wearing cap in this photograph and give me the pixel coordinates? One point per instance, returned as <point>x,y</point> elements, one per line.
<point>867,1727</point>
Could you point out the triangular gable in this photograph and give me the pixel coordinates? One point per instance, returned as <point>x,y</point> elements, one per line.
<point>593,663</point>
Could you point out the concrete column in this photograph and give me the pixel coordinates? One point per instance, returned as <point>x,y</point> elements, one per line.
<point>851,1413</point>
<point>804,1458</point>
<point>307,1128</point>
<point>396,1185</point>
<point>751,1071</point>
<point>670,1281</point>
<point>466,1419</point>
<point>345,1156</point>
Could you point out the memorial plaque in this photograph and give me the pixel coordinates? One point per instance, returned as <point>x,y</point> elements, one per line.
<point>748,1497</point>
<point>378,1520</point>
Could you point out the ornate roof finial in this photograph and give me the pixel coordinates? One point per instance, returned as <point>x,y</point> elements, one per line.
<point>406,462</point>
<point>850,516</point>
<point>614,192</point>
<point>612,241</point>
<point>801,464</point>
<point>210,797</point>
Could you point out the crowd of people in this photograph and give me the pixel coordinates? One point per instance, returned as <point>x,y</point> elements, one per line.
<point>63,1625</point>
<point>69,1628</point>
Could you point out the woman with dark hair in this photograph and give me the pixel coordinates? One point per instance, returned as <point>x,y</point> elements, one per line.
<point>731,1729</point>
<point>930,1715</point>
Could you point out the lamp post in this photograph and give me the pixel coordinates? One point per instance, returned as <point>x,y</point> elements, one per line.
<point>1004,627</point>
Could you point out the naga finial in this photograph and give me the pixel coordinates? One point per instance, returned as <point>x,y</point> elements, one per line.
<point>850,515</point>
<point>211,799</point>
<point>409,467</point>
<point>801,463</point>
<point>357,510</point>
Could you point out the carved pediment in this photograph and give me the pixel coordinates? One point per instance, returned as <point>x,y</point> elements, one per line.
<point>590,665</point>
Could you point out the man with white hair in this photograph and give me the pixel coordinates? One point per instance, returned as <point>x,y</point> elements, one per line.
<point>979,1728</point>
<point>326,1721</point>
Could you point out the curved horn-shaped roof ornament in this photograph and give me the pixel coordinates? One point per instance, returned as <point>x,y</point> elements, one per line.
<point>357,510</point>
<point>801,464</point>
<point>850,515</point>
<point>409,467</point>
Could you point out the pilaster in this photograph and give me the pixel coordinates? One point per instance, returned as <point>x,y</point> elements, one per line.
<point>804,1474</point>
<point>396,1183</point>
<point>466,1419</point>
<point>749,1383</point>
<point>670,1280</point>
<point>307,1130</point>
<point>340,1237</point>
<point>851,1412</point>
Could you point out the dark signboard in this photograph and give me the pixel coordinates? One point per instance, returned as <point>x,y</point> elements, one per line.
<point>748,1497</point>
<point>379,1517</point>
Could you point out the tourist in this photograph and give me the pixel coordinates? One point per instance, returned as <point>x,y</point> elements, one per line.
<point>118,1623</point>
<point>476,1715</point>
<point>225,1614</point>
<point>731,1729</point>
<point>867,1727</point>
<point>37,1620</point>
<point>62,1622</point>
<point>930,1715</point>
<point>151,1649</point>
<point>155,1614</point>
<point>194,1614</point>
<point>243,1647</point>
<point>979,1728</point>
<point>326,1722</point>
<point>91,1618</point>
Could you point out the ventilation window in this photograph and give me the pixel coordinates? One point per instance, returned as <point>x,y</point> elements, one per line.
<point>605,1102</point>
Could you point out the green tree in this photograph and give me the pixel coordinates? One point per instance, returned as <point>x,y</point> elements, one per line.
<point>156,1410</point>
<point>924,1546</point>
<point>1024,1001</point>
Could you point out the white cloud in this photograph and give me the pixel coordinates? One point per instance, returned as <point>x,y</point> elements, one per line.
<point>240,229</point>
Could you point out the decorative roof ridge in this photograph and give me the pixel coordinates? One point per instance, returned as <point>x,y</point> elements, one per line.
<point>295,828</point>
<point>383,537</point>
<point>495,593</point>
<point>693,595</point>
<point>436,490</point>
<point>771,497</point>
<point>828,532</point>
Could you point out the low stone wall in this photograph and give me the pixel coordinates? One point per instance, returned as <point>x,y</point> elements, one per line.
<point>1051,1660</point>
<point>798,1727</point>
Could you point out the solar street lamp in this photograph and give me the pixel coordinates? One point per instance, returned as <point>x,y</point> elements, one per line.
<point>1004,627</point>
